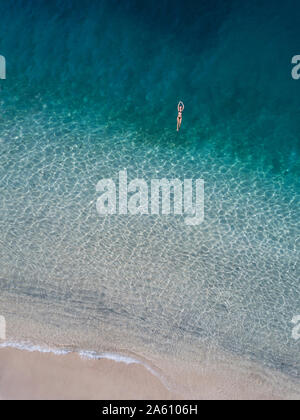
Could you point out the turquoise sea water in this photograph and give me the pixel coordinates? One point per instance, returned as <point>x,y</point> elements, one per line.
<point>91,89</point>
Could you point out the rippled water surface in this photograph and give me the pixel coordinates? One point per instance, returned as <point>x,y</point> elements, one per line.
<point>92,89</point>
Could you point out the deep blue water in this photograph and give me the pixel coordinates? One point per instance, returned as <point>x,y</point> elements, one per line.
<point>92,88</point>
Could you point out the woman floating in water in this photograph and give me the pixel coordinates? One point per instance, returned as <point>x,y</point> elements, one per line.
<point>180,108</point>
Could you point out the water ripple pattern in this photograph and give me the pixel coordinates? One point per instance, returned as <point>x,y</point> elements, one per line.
<point>91,90</point>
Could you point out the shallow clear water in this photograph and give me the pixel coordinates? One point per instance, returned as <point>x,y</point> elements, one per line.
<point>91,90</point>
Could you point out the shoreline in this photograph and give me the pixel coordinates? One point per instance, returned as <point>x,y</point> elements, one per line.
<point>36,372</point>
<point>34,375</point>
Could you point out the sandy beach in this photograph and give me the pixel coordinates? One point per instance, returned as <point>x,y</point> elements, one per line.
<point>36,375</point>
